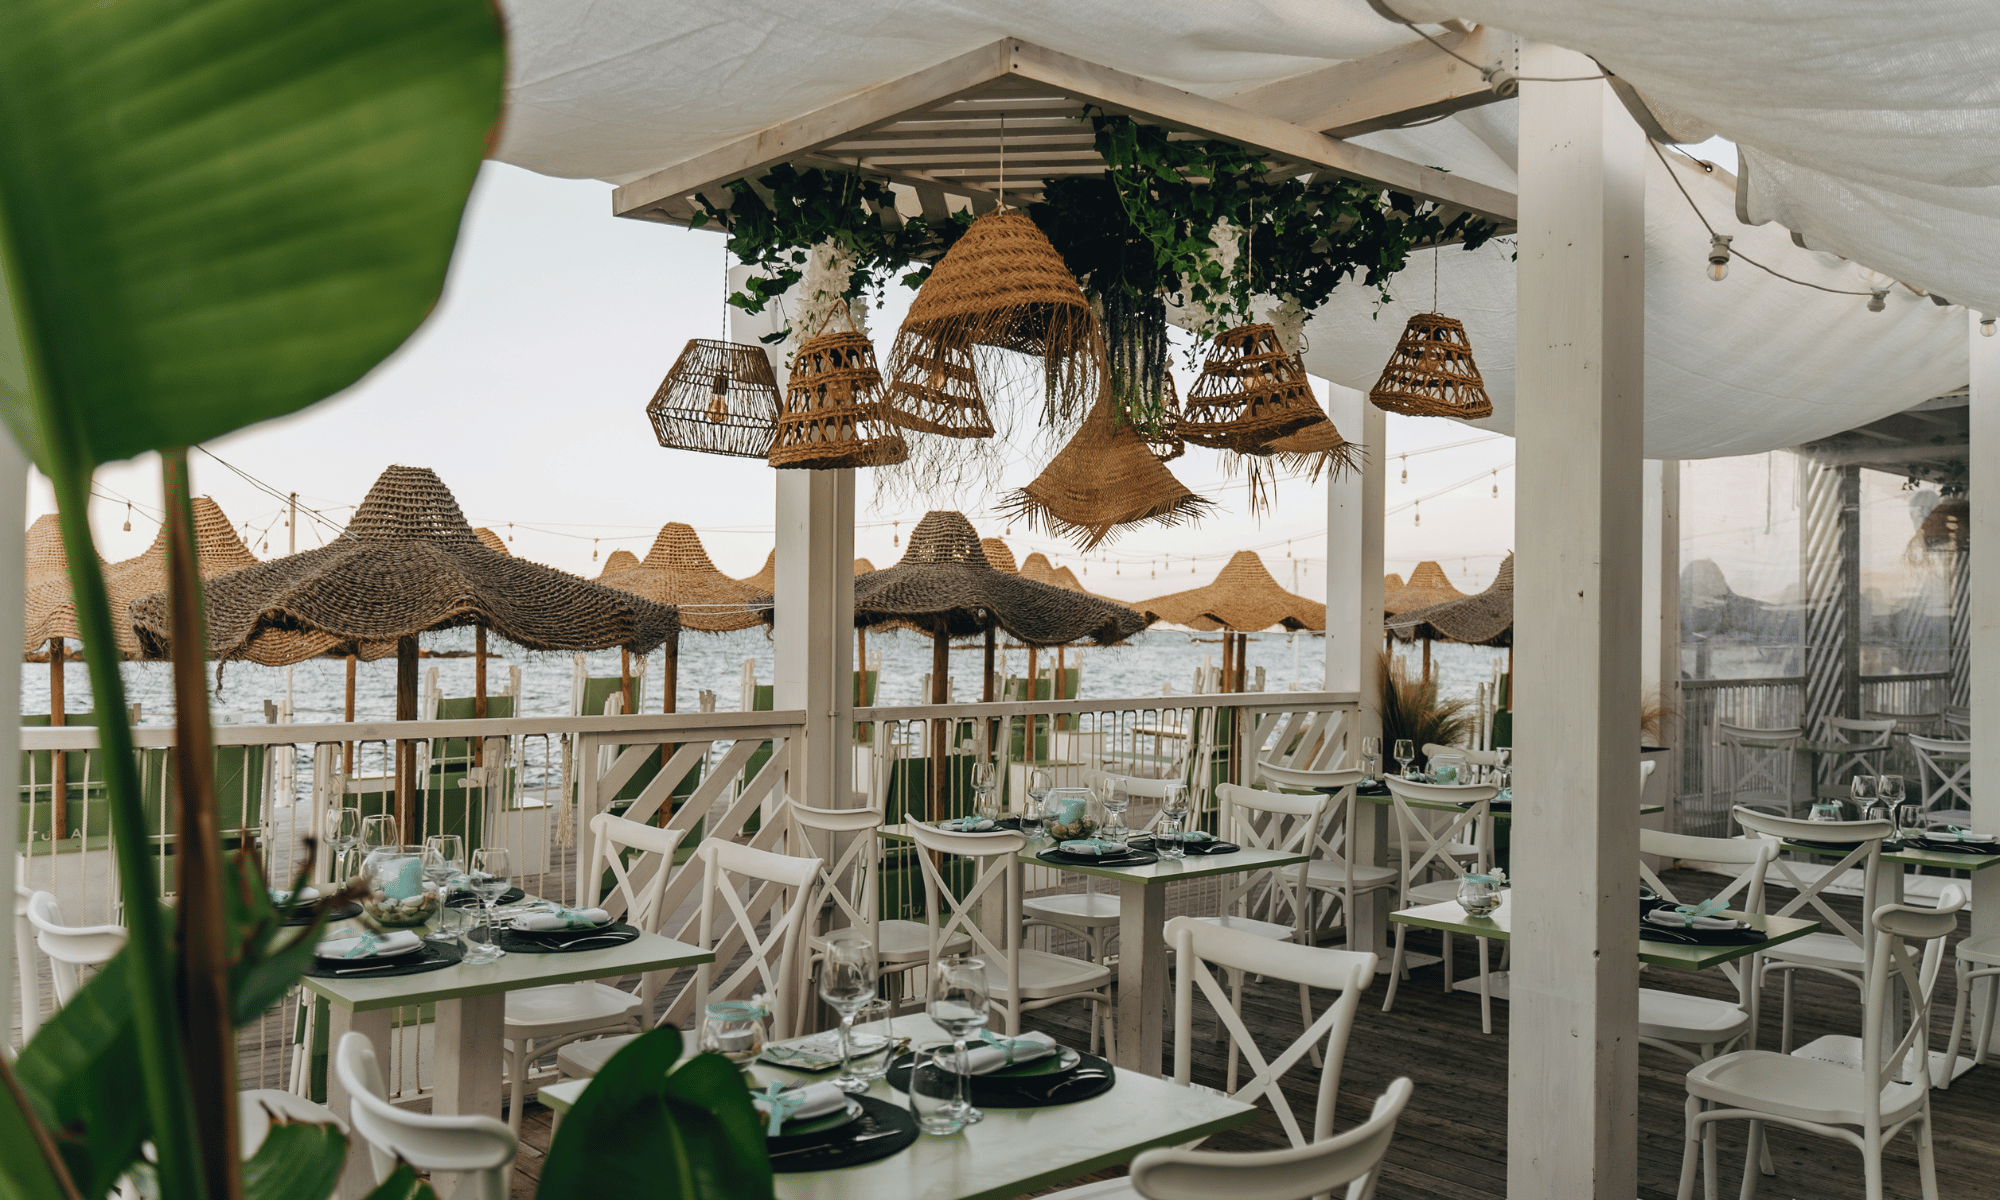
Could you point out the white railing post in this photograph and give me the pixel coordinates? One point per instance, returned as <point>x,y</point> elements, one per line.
<point>1572,1125</point>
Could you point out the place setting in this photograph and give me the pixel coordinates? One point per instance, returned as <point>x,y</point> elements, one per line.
<point>1703,924</point>
<point>1089,830</point>
<point>351,953</point>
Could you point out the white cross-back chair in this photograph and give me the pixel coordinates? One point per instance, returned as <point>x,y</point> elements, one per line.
<point>742,887</point>
<point>847,895</point>
<point>27,973</point>
<point>1426,849</point>
<point>70,947</point>
<point>1756,768</point>
<point>480,1148</point>
<point>1865,1105</point>
<point>1866,748</point>
<point>1333,871</point>
<point>1944,778</point>
<point>1841,951</point>
<point>1975,960</point>
<point>1957,719</point>
<point>638,857</point>
<point>1017,979</point>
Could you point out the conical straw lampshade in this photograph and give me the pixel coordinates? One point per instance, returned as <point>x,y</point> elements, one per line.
<point>832,414</point>
<point>1251,392</point>
<point>1104,478</point>
<point>1001,285</point>
<point>616,561</point>
<point>719,398</point>
<point>1431,373</point>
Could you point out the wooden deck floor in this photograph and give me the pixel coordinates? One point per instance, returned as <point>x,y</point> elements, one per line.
<point>1452,1142</point>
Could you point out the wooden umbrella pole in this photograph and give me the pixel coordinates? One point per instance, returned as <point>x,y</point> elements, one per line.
<point>58,762</point>
<point>989,692</point>
<point>625,677</point>
<point>347,748</point>
<point>1427,658</point>
<point>670,701</point>
<point>861,663</point>
<point>479,690</point>
<point>406,749</point>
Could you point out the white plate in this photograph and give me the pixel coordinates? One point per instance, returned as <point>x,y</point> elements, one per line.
<point>337,949</point>
<point>1947,839</point>
<point>1667,918</point>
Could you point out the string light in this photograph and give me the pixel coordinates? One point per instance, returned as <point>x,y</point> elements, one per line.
<point>1496,483</point>
<point>1406,468</point>
<point>593,549</point>
<point>1986,327</point>
<point>1419,517</point>
<point>510,531</point>
<point>1718,256</point>
<point>128,516</point>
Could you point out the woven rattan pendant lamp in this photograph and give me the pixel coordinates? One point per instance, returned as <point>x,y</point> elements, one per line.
<point>1252,391</point>
<point>1431,373</point>
<point>832,414</point>
<point>719,398</point>
<point>1105,478</point>
<point>1001,286</point>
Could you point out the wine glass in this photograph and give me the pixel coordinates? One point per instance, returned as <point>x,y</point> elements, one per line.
<point>378,831</point>
<point>1041,781</point>
<point>1890,788</point>
<point>1171,828</point>
<point>343,833</point>
<point>1406,753</point>
<point>443,860</point>
<point>958,1005</point>
<point>1115,800</point>
<point>1371,757</point>
<point>847,984</point>
<point>491,867</point>
<point>985,791</point>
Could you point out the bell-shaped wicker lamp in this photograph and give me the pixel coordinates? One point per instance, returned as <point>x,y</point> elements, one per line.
<point>832,412</point>
<point>1431,373</point>
<point>1106,477</point>
<point>1252,391</point>
<point>719,398</point>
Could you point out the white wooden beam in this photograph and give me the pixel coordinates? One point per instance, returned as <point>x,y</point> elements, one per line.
<point>1416,81</point>
<point>1354,505</point>
<point>1572,1125</point>
<point>1983,581</point>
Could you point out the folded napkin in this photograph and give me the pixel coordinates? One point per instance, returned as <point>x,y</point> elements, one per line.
<point>998,1052</point>
<point>1093,847</point>
<point>305,895</point>
<point>777,1104</point>
<point>1951,833</point>
<point>1685,918</point>
<point>368,945</point>
<point>966,825</point>
<point>562,918</point>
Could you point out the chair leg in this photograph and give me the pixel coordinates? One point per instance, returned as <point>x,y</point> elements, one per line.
<point>1236,1004</point>
<point>517,1071</point>
<point>1952,1043</point>
<point>1306,1019</point>
<point>1871,1169</point>
<point>1986,1031</point>
<point>1785,1028</point>
<point>1688,1152</point>
<point>1485,991</point>
<point>1926,1160</point>
<point>1445,966</point>
<point>1750,1154</point>
<point>1395,969</point>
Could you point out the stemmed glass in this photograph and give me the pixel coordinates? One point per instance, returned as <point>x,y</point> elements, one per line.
<point>1041,781</point>
<point>343,833</point>
<point>958,1005</point>
<point>1406,753</point>
<point>491,867</point>
<point>985,791</point>
<point>1115,801</point>
<point>1171,829</point>
<point>1371,757</point>
<point>378,831</point>
<point>444,860</point>
<point>847,984</point>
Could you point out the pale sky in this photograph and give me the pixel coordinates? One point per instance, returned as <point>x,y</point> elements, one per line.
<point>526,392</point>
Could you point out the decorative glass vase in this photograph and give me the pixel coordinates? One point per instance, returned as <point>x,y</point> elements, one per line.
<point>399,897</point>
<point>1073,813</point>
<point>735,1030</point>
<point>1478,895</point>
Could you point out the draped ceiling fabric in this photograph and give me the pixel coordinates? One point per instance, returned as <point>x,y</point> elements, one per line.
<point>1870,130</point>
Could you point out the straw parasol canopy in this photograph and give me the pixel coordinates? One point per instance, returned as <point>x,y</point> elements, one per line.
<point>492,541</point>
<point>218,551</point>
<point>677,571</point>
<point>998,556</point>
<point>408,563</point>
<point>945,582</point>
<point>616,561</point>
<point>1427,586</point>
<point>1392,585</point>
<point>766,578</point>
<point>862,566</point>
<point>51,608</point>
<point>1483,619</point>
<point>1243,598</point>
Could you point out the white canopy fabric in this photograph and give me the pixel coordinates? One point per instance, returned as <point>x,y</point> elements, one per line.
<point>615,89</point>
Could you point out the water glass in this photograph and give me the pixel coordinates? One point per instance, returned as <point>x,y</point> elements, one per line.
<point>847,983</point>
<point>343,833</point>
<point>491,869</point>
<point>1405,753</point>
<point>1172,822</point>
<point>869,1050</point>
<point>1825,810</point>
<point>958,1006</point>
<point>449,925</point>
<point>1371,757</point>
<point>735,1030</point>
<point>935,1104</point>
<point>1910,821</point>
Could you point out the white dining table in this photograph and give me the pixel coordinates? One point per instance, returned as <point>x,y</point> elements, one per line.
<point>1013,1151</point>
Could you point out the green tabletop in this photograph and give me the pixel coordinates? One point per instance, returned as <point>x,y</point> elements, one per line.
<point>1014,1151</point>
<point>1167,870</point>
<point>1942,859</point>
<point>648,952</point>
<point>1450,918</point>
<point>1505,814</point>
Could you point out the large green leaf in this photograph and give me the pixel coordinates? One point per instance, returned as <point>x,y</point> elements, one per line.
<point>30,1166</point>
<point>402,1184</point>
<point>643,1128</point>
<point>298,1161</point>
<point>78,1073</point>
<point>221,211</point>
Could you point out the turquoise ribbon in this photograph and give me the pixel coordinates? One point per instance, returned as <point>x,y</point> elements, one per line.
<point>1009,1045</point>
<point>365,944</point>
<point>781,1104</point>
<point>1090,846</point>
<point>967,825</point>
<point>1706,908</point>
<point>1492,881</point>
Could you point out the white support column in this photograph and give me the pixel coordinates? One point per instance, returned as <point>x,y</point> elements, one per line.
<point>1354,617</point>
<point>13,599</point>
<point>1983,578</point>
<point>815,627</point>
<point>1572,1124</point>
<point>1660,627</point>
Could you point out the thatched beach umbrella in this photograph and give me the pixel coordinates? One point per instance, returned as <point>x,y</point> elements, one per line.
<point>408,563</point>
<point>492,541</point>
<point>1392,585</point>
<point>766,578</point>
<point>998,556</point>
<point>677,571</point>
<point>944,583</point>
<point>1427,586</point>
<point>218,551</point>
<point>1242,599</point>
<point>1483,619</point>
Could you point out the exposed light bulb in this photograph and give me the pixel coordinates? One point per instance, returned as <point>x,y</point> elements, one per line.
<point>1718,256</point>
<point>128,516</point>
<point>1878,299</point>
<point>1406,468</point>
<point>593,549</point>
<point>510,531</point>
<point>1418,516</point>
<point>1986,327</point>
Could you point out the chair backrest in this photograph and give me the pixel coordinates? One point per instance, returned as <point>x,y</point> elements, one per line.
<point>1907,1058</point>
<point>1862,733</point>
<point>1757,763</point>
<point>1753,854</point>
<point>1425,847</point>
<point>1866,839</point>
<point>845,894</point>
<point>1951,761</point>
<point>952,913</point>
<point>1286,822</point>
<point>1905,722</point>
<point>636,886</point>
<point>70,946</point>
<point>1304,780</point>
<point>1354,1158</point>
<point>753,886</point>
<point>1484,760</point>
<point>481,1147</point>
<point>1198,946</point>
<point>1958,715</point>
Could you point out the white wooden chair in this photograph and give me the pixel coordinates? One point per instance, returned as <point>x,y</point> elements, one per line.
<point>847,895</point>
<point>1351,1159</point>
<point>1018,980</point>
<point>751,886</point>
<point>543,1019</point>
<point>481,1149</point>
<point>1756,768</point>
<point>1957,718</point>
<point>1333,873</point>
<point>27,973</point>
<point>1425,849</point>
<point>1866,748</point>
<point>1864,1104</point>
<point>1842,952</point>
<point>1975,959</point>
<point>70,947</point>
<point>1088,915</point>
<point>1944,778</point>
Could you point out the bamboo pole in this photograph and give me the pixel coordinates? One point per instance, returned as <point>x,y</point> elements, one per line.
<point>406,750</point>
<point>625,677</point>
<point>58,761</point>
<point>940,730</point>
<point>347,748</point>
